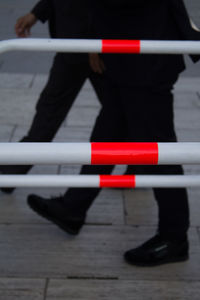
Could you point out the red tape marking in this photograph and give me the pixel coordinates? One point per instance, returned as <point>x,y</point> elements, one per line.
<point>124,153</point>
<point>121,181</point>
<point>121,46</point>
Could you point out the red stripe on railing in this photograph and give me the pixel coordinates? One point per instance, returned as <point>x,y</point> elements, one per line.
<point>124,153</point>
<point>118,181</point>
<point>121,46</point>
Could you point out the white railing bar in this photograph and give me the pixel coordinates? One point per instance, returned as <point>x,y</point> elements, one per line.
<point>99,153</point>
<point>94,181</point>
<point>99,46</point>
<point>55,45</point>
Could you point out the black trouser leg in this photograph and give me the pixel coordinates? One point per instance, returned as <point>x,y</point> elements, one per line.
<point>64,83</point>
<point>173,212</point>
<point>108,128</point>
<point>153,119</point>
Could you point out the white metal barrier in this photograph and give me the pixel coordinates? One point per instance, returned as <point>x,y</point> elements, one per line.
<point>101,46</point>
<point>102,181</point>
<point>100,153</point>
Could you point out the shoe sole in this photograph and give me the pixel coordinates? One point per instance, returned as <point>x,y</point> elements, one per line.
<point>55,221</point>
<point>7,190</point>
<point>166,261</point>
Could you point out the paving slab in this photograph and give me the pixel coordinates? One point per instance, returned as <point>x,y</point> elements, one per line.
<point>73,134</point>
<point>188,135</point>
<point>39,82</point>
<point>122,289</point>
<point>141,207</point>
<point>193,10</point>
<point>187,120</point>
<point>41,251</point>
<point>26,62</point>
<point>108,208</point>
<point>23,111</point>
<point>15,81</point>
<point>6,132</point>
<point>187,84</point>
<point>23,289</point>
<point>186,99</point>
<point>85,116</point>
<point>87,97</point>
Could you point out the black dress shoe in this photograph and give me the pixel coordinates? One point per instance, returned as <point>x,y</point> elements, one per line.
<point>7,190</point>
<point>54,210</point>
<point>158,250</point>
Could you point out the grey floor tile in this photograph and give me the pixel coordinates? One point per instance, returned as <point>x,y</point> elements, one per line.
<point>6,132</point>
<point>40,251</point>
<point>124,289</point>
<point>70,169</point>
<point>82,116</point>
<point>141,207</point>
<point>87,97</point>
<point>188,135</point>
<point>187,84</point>
<point>187,100</point>
<point>73,134</point>
<point>107,208</point>
<point>44,169</point>
<point>194,197</point>
<point>187,120</point>
<point>15,81</point>
<point>26,62</point>
<point>193,9</point>
<point>22,289</point>
<point>39,82</point>
<point>16,111</point>
<point>87,85</point>
<point>20,132</point>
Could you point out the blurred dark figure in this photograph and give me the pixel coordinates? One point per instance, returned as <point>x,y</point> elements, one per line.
<point>67,19</point>
<point>139,108</point>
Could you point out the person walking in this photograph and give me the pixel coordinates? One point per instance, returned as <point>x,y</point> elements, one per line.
<point>67,19</point>
<point>138,107</point>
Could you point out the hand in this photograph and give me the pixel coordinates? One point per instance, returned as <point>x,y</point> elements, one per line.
<point>96,63</point>
<point>24,24</point>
